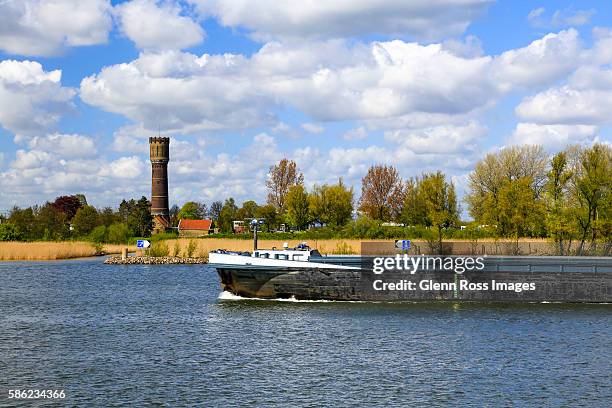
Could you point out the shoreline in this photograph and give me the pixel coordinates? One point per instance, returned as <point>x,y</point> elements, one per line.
<point>179,247</point>
<point>14,251</point>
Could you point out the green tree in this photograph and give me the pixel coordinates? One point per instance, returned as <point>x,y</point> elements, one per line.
<point>517,211</point>
<point>440,201</point>
<point>98,234</point>
<point>24,221</point>
<point>560,220</point>
<point>414,210</point>
<point>297,206</point>
<point>492,172</point>
<point>51,224</point>
<point>125,209</point>
<point>9,232</point>
<point>85,220</point>
<point>247,211</point>
<point>332,205</point>
<point>137,216</point>
<point>107,216</point>
<point>174,211</point>
<point>141,221</point>
<point>591,188</point>
<point>118,233</point>
<point>270,216</point>
<point>227,215</point>
<point>215,210</point>
<point>189,211</point>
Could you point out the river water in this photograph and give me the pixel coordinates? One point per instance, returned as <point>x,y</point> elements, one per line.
<point>160,336</point>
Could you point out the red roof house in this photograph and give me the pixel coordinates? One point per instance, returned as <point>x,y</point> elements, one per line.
<point>195,228</point>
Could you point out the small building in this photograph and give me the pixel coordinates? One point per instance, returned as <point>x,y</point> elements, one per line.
<point>195,228</point>
<point>238,227</point>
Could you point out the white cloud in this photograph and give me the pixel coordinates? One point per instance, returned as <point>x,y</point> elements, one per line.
<point>46,27</point>
<point>328,81</point>
<point>470,47</point>
<point>313,128</point>
<point>444,140</point>
<point>390,79</point>
<point>31,100</point>
<point>240,175</point>
<point>284,129</point>
<point>207,93</point>
<point>355,134</point>
<point>566,105</point>
<point>68,146</point>
<point>560,18</point>
<point>422,19</point>
<point>553,137</point>
<point>158,25</point>
<point>131,139</point>
<point>181,91</point>
<point>131,167</point>
<point>31,159</point>
<point>541,62</point>
<point>536,14</point>
<point>586,99</point>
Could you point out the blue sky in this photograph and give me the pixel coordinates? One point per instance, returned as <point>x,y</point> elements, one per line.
<point>421,85</point>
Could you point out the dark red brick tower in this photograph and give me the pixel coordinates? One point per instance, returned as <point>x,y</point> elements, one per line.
<point>160,156</point>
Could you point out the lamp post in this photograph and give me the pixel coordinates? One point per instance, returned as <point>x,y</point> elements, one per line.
<point>254,224</point>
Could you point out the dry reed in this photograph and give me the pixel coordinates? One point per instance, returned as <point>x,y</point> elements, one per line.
<point>30,251</point>
<point>65,250</point>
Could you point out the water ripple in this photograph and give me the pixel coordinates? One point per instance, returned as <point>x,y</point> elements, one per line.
<point>160,336</point>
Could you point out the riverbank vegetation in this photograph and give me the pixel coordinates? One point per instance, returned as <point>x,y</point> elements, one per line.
<point>44,251</point>
<point>517,193</point>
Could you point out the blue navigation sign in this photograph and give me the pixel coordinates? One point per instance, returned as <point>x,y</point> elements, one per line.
<point>142,243</point>
<point>403,244</point>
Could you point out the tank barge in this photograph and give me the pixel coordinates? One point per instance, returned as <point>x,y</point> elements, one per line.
<point>304,274</point>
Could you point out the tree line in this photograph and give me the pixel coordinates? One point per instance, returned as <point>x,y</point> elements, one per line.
<point>522,192</point>
<point>69,217</point>
<point>517,192</point>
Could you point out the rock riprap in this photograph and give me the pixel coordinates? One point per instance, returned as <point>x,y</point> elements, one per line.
<point>153,260</point>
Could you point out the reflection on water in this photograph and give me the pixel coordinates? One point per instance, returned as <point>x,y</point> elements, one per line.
<point>147,335</point>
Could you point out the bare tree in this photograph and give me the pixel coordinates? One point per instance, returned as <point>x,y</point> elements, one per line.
<point>281,178</point>
<point>382,193</point>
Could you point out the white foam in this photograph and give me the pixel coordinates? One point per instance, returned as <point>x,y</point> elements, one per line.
<point>225,295</point>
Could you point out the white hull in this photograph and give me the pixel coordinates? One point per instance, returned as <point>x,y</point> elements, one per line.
<point>215,259</point>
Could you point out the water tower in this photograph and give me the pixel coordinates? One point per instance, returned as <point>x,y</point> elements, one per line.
<point>160,156</point>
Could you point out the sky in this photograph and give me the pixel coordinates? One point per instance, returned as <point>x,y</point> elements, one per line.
<point>422,85</point>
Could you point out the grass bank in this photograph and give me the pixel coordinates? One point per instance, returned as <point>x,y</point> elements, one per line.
<point>44,251</point>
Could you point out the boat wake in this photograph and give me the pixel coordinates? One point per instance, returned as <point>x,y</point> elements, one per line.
<point>225,295</point>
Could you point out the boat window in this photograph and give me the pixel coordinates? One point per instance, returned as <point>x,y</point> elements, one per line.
<point>281,256</point>
<point>256,254</point>
<point>315,253</point>
<point>297,257</point>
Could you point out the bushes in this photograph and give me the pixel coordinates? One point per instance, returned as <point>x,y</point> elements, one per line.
<point>8,232</point>
<point>158,249</point>
<point>191,247</point>
<point>118,233</point>
<point>98,234</point>
<point>177,249</point>
<point>342,248</point>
